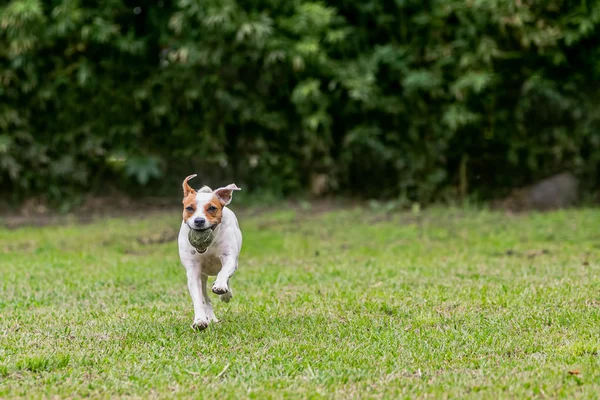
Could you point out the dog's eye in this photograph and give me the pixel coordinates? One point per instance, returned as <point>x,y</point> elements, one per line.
<point>212,209</point>
<point>189,209</point>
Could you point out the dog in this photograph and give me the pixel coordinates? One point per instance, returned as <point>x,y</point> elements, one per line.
<point>206,209</point>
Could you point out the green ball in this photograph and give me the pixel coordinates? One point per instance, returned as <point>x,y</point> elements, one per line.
<point>200,239</point>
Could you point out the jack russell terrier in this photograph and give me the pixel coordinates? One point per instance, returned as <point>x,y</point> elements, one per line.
<point>206,209</point>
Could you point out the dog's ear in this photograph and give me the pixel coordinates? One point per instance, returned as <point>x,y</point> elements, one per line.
<point>187,189</point>
<point>224,194</point>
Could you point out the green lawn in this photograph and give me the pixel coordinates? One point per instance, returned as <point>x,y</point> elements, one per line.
<point>347,304</point>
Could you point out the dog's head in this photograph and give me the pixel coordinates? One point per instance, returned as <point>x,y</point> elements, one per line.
<point>203,209</point>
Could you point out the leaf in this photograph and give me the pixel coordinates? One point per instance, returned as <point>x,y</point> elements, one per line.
<point>472,81</point>
<point>457,116</point>
<point>420,80</point>
<point>143,168</point>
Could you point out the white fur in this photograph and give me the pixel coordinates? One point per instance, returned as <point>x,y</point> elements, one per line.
<point>220,259</point>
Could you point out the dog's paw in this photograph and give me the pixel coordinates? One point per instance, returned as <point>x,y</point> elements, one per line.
<point>227,297</point>
<point>200,324</point>
<point>220,289</point>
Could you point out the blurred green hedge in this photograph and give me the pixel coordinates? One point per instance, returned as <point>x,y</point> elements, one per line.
<point>409,98</point>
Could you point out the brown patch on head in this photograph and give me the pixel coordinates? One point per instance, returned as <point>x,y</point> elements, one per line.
<point>189,198</point>
<point>213,210</point>
<point>189,205</point>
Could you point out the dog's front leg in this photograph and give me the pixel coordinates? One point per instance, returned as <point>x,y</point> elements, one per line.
<point>221,285</point>
<point>194,285</point>
<point>210,314</point>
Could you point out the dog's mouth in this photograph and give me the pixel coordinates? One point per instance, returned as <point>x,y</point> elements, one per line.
<point>204,229</point>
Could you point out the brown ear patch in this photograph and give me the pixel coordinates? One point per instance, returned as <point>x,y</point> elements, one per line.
<point>213,210</point>
<point>187,189</point>
<point>189,201</point>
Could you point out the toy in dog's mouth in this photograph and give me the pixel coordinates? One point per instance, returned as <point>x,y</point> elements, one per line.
<point>200,239</point>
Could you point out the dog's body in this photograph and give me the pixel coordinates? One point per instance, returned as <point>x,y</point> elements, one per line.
<point>206,209</point>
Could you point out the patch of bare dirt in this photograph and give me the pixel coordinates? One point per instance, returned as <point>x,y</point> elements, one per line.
<point>35,212</point>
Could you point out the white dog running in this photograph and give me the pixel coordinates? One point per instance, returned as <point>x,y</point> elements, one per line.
<point>206,209</point>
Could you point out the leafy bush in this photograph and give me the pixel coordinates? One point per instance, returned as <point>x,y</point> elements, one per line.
<point>417,99</point>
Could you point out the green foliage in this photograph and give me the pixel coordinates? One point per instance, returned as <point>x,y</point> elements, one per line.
<point>390,97</point>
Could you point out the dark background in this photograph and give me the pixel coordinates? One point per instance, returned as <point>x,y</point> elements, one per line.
<point>406,99</point>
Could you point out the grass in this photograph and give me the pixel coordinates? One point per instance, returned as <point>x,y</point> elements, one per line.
<point>346,304</point>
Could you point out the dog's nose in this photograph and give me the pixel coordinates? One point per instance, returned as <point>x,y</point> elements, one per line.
<point>199,221</point>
